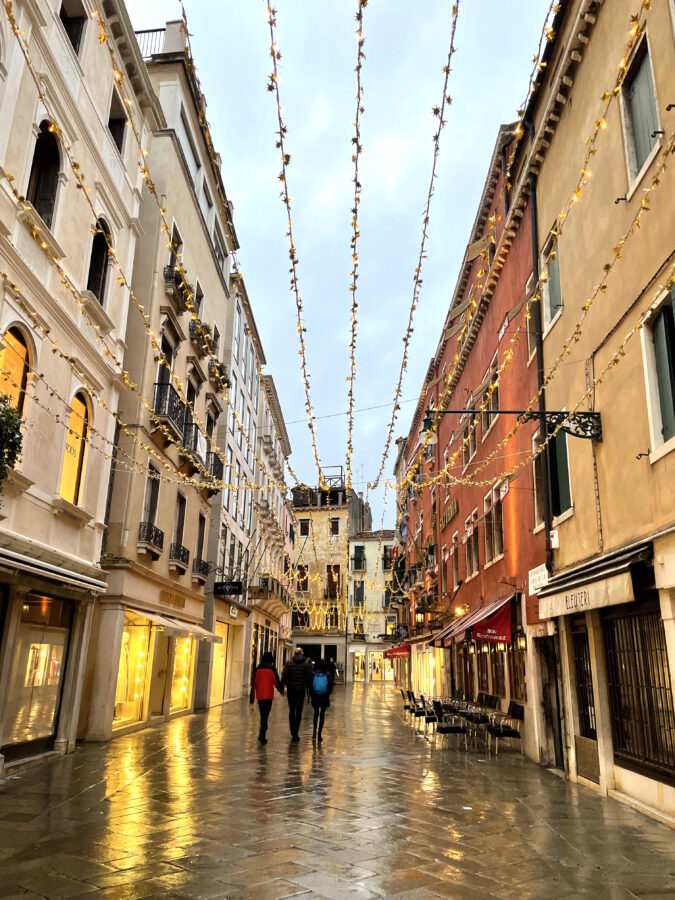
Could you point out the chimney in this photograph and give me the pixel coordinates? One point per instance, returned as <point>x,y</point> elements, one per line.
<point>175,40</point>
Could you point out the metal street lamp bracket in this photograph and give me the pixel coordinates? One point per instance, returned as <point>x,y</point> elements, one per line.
<point>577,424</point>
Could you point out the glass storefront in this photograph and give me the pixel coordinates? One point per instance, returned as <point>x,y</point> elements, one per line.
<point>219,671</point>
<point>132,674</point>
<point>359,666</point>
<point>183,668</point>
<point>36,679</point>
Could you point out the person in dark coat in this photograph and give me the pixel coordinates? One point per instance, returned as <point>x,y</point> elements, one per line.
<point>319,692</point>
<point>295,678</point>
<point>265,680</point>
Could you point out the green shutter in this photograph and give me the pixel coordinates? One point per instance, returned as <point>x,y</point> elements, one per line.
<point>642,111</point>
<point>554,291</point>
<point>561,494</point>
<point>664,351</point>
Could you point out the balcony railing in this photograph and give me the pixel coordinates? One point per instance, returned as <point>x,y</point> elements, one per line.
<point>151,535</point>
<point>169,407</point>
<point>151,42</point>
<point>194,441</point>
<point>176,287</point>
<point>200,335</point>
<point>218,373</point>
<point>358,563</point>
<point>180,555</point>
<point>214,465</point>
<point>200,568</point>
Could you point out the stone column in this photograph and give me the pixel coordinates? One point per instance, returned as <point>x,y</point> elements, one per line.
<point>78,646</point>
<point>107,647</point>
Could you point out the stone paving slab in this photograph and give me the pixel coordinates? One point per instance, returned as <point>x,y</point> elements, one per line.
<point>199,809</point>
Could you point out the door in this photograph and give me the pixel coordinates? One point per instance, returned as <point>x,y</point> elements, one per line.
<point>585,733</point>
<point>36,678</point>
<point>548,661</point>
<point>160,669</point>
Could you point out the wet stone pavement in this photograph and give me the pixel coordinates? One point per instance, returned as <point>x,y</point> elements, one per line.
<point>199,809</point>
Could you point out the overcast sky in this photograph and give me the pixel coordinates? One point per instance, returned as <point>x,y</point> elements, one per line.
<point>406,48</point>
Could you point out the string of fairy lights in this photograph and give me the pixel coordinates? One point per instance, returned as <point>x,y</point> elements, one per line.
<point>354,274</point>
<point>439,113</point>
<point>600,125</point>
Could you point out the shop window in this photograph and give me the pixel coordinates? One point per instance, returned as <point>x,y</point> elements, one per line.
<point>663,338</point>
<point>117,120</point>
<point>75,455</point>
<point>99,261</point>
<point>73,18</point>
<point>38,666</point>
<point>561,489</point>
<point>302,581</point>
<point>639,104</point>
<point>640,692</point>
<point>132,674</point>
<point>181,681</point>
<point>483,665</point>
<point>551,291</point>
<point>583,682</point>
<point>14,367</point>
<point>44,174</point>
<point>517,675</point>
<point>491,401</point>
<point>334,527</point>
<point>497,670</point>
<point>304,527</point>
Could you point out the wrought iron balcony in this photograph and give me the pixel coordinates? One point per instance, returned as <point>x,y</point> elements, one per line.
<point>194,441</point>
<point>358,563</point>
<point>151,538</point>
<point>219,374</point>
<point>169,408</point>
<point>200,569</point>
<point>176,287</point>
<point>151,41</point>
<point>200,335</point>
<point>214,465</point>
<point>179,555</point>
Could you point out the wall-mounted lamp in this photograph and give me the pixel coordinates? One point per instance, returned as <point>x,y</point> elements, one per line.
<point>472,648</point>
<point>485,648</point>
<point>462,610</point>
<point>419,618</point>
<point>501,647</point>
<point>521,640</point>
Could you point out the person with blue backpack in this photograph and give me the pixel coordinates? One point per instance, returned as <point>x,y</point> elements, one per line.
<point>320,689</point>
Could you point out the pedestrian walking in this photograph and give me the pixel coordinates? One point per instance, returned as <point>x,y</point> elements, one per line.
<point>265,680</point>
<point>295,679</point>
<point>319,692</point>
<point>332,668</point>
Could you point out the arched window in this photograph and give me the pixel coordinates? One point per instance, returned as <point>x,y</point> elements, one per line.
<point>14,363</point>
<point>44,174</point>
<point>72,474</point>
<point>98,264</point>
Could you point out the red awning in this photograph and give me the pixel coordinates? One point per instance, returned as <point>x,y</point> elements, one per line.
<point>483,617</point>
<point>403,650</point>
<point>437,639</point>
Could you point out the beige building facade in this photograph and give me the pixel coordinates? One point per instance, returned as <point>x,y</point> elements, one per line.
<point>63,315</point>
<point>607,311</point>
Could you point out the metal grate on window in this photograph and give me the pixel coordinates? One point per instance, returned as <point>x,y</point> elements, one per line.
<point>640,691</point>
<point>584,684</point>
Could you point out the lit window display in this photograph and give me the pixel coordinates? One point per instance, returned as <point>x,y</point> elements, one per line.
<point>181,683</point>
<point>133,671</point>
<point>359,666</point>
<point>34,691</point>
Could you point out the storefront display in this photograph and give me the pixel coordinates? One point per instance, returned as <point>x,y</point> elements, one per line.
<point>359,666</point>
<point>219,671</point>
<point>132,673</point>
<point>38,667</point>
<point>183,667</point>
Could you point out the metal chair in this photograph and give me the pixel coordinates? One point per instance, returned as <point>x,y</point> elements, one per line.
<point>448,724</point>
<point>506,726</point>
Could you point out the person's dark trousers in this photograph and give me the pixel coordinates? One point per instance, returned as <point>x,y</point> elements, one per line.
<point>265,707</point>
<point>319,716</point>
<point>296,700</point>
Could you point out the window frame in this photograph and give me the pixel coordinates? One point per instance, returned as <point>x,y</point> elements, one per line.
<point>658,442</point>
<point>82,458</point>
<point>550,251</point>
<point>490,413</point>
<point>116,99</point>
<point>20,389</point>
<point>634,173</point>
<point>550,447</point>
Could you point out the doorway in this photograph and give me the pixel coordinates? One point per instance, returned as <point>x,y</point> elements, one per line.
<point>548,664</point>
<point>160,668</point>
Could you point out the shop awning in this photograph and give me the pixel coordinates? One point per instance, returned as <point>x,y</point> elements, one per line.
<point>169,626</point>
<point>488,618</point>
<point>394,652</point>
<point>20,562</point>
<point>603,582</point>
<point>203,635</point>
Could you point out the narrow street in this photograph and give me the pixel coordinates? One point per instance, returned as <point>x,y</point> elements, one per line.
<point>200,809</point>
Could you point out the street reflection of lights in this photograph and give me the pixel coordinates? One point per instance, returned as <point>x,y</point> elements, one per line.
<point>467,807</point>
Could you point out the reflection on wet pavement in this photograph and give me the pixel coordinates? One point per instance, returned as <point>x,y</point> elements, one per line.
<point>200,809</point>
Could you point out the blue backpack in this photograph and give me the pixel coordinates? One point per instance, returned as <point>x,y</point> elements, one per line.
<point>320,683</point>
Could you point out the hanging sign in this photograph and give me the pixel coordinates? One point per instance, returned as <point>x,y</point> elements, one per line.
<point>227,588</point>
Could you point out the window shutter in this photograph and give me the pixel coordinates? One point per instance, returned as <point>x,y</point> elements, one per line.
<point>642,111</point>
<point>560,486</point>
<point>664,351</point>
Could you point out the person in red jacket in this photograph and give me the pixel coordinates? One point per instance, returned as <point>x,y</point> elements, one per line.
<point>265,680</point>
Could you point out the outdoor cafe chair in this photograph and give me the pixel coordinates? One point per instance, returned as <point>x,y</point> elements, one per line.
<point>506,726</point>
<point>448,724</point>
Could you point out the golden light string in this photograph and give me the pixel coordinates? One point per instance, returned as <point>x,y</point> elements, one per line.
<point>185,286</point>
<point>600,125</point>
<point>354,274</point>
<point>438,112</point>
<point>36,229</point>
<point>273,87</point>
<point>575,334</point>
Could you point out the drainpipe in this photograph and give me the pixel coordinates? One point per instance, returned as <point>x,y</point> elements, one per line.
<point>543,432</point>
